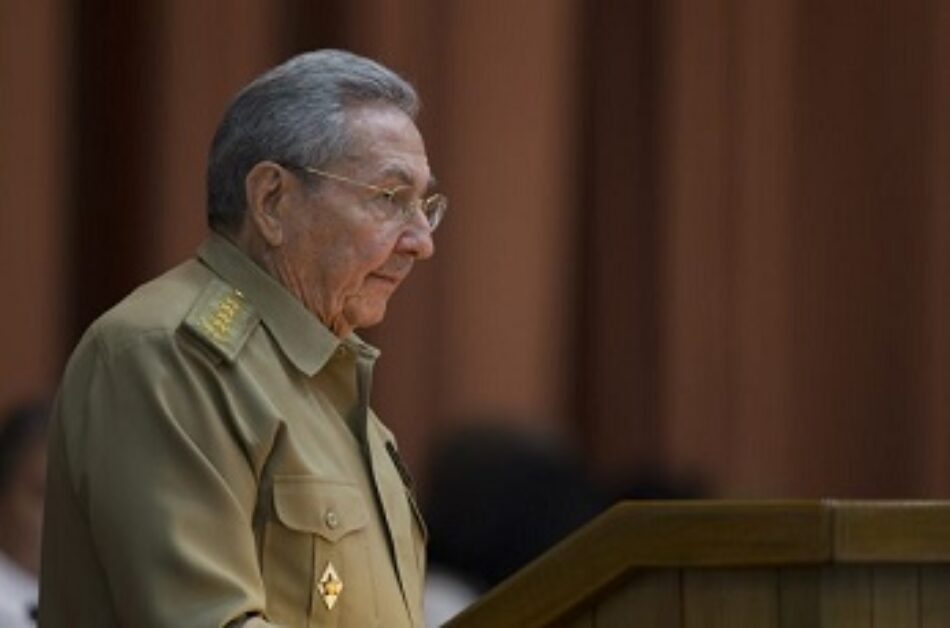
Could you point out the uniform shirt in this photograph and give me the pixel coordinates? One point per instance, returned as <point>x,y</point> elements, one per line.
<point>214,462</point>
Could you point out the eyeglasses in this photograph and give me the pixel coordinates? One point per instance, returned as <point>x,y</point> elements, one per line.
<point>399,198</point>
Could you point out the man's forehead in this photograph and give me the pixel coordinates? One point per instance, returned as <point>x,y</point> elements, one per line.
<point>409,175</point>
<point>385,144</point>
<point>380,123</point>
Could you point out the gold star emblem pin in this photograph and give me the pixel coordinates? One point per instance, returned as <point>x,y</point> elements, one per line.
<point>330,586</point>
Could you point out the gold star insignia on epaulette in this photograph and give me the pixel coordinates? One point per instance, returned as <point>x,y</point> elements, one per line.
<point>218,322</point>
<point>330,586</point>
<point>222,318</point>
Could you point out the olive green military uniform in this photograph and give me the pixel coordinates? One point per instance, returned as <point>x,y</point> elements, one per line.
<point>213,462</point>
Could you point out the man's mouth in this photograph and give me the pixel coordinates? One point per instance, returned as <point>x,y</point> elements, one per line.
<point>390,279</point>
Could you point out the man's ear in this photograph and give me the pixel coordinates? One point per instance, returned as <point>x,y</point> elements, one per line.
<point>266,187</point>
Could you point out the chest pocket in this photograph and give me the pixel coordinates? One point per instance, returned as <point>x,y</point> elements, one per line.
<point>318,533</point>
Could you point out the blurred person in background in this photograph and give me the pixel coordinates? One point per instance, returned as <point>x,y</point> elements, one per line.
<point>22,478</point>
<point>499,497</point>
<point>213,457</point>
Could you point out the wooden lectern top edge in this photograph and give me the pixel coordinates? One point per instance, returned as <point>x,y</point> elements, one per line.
<point>715,533</point>
<point>891,531</point>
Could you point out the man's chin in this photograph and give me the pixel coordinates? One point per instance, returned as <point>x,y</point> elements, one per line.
<point>366,315</point>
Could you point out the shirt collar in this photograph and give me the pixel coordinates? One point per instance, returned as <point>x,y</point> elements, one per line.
<point>306,342</point>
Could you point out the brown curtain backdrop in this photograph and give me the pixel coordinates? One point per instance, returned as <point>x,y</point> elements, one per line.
<point>33,176</point>
<point>706,238</point>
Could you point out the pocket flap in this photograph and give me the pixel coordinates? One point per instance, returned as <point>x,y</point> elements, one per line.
<point>329,509</point>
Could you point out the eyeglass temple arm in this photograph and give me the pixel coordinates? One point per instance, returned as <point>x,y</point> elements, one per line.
<point>341,178</point>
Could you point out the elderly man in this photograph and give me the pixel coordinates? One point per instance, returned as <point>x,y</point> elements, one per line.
<point>213,459</point>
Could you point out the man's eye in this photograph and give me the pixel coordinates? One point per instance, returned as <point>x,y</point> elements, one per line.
<point>401,198</point>
<point>386,198</point>
<point>397,202</point>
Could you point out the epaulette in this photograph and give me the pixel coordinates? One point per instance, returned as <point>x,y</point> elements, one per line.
<point>222,318</point>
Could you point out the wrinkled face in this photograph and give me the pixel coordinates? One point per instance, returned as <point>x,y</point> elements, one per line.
<point>344,250</point>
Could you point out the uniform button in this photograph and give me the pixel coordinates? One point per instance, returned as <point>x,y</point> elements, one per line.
<point>341,350</point>
<point>331,519</point>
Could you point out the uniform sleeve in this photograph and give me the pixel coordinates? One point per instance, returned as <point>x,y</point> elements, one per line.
<point>169,490</point>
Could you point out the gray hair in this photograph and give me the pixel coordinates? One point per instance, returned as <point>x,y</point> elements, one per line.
<point>294,114</point>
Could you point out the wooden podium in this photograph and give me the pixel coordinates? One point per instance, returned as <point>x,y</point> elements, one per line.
<point>726,564</point>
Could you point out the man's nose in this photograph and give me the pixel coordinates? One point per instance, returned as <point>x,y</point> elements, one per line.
<point>416,239</point>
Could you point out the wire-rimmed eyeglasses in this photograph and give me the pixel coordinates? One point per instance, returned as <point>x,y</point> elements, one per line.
<point>401,198</point>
